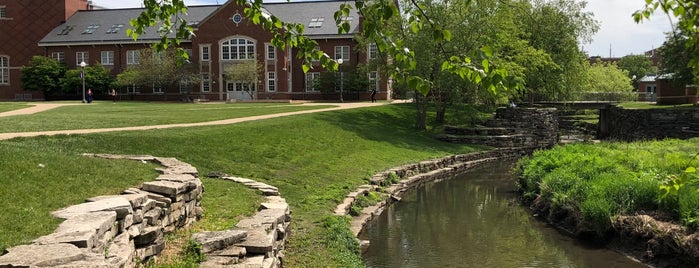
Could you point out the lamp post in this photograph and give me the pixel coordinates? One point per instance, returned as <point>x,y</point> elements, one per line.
<point>340,61</point>
<point>82,76</point>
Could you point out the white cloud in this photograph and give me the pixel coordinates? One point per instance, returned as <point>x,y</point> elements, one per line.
<point>618,29</point>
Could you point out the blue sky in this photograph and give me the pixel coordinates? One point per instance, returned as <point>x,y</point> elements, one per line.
<point>617,28</point>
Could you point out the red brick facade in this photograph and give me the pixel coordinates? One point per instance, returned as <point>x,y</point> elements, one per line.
<point>281,77</point>
<point>25,22</point>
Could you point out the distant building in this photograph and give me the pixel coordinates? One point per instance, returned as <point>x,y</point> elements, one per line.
<point>224,37</point>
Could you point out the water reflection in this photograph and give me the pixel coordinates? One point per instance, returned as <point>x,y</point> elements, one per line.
<point>474,221</point>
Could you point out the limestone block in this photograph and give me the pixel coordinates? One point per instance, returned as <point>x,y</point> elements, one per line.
<point>152,216</point>
<point>258,241</point>
<point>148,235</point>
<point>83,230</point>
<point>120,251</point>
<point>177,205</point>
<point>251,262</point>
<point>151,250</point>
<point>137,199</point>
<point>269,262</point>
<point>137,216</point>
<point>218,261</point>
<point>41,255</point>
<point>126,222</point>
<point>91,260</point>
<point>213,241</point>
<point>119,204</point>
<point>168,188</point>
<point>239,180</point>
<point>134,231</point>
<point>231,251</point>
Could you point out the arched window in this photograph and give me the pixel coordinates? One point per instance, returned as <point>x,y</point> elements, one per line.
<point>4,70</point>
<point>238,49</point>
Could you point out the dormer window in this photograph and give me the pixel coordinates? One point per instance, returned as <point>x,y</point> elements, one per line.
<point>91,29</point>
<point>316,22</point>
<point>66,30</point>
<point>115,28</point>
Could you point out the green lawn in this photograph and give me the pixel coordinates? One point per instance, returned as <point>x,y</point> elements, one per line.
<point>652,105</point>
<point>126,114</point>
<point>9,106</point>
<point>314,159</point>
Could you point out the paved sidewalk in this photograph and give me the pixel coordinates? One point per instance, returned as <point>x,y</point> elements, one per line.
<point>47,106</point>
<point>37,108</point>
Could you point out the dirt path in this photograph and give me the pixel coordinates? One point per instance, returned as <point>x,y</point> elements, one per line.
<point>47,106</point>
<point>37,108</point>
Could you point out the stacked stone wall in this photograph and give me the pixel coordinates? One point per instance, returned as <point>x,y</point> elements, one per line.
<point>511,128</point>
<point>118,230</point>
<point>646,124</point>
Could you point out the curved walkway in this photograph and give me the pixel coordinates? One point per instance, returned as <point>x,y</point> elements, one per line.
<point>46,106</point>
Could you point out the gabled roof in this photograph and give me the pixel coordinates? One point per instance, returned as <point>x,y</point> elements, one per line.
<point>73,31</point>
<point>305,13</point>
<point>95,27</point>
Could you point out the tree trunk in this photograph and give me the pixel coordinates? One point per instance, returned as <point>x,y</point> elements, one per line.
<point>421,111</point>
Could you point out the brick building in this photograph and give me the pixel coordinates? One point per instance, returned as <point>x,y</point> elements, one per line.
<point>224,38</point>
<point>22,24</point>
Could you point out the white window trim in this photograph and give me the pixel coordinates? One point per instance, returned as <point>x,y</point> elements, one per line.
<point>132,57</point>
<point>375,79</point>
<point>375,48</point>
<point>81,56</point>
<point>207,54</point>
<point>342,53</point>
<point>59,56</point>
<point>205,81</point>
<point>270,51</point>
<point>309,82</point>
<point>272,81</point>
<point>247,56</point>
<point>110,57</point>
<point>4,70</point>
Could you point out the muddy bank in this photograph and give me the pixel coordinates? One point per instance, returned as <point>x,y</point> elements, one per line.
<point>651,238</point>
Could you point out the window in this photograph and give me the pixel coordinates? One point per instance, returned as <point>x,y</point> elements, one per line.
<point>185,87</point>
<point>189,53</point>
<point>238,49</point>
<point>91,29</point>
<point>374,80</point>
<point>107,58</point>
<point>115,28</point>
<point>81,56</point>
<point>311,77</point>
<point>271,52</point>
<point>342,52</point>
<point>157,89</point>
<point>205,82</point>
<point>58,56</point>
<point>132,57</point>
<point>4,70</point>
<point>132,89</point>
<point>271,81</point>
<point>316,22</point>
<point>3,12</point>
<point>372,51</point>
<point>315,61</point>
<point>66,30</point>
<point>205,53</point>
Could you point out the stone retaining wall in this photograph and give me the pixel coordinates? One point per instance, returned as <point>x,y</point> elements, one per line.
<point>114,231</point>
<point>533,128</point>
<point>414,175</point>
<point>646,124</point>
<point>257,241</point>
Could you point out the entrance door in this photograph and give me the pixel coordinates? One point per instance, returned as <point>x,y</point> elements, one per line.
<point>237,90</point>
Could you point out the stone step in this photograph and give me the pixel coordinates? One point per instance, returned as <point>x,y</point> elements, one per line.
<point>478,130</point>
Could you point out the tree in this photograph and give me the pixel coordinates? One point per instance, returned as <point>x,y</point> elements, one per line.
<point>556,27</point>
<point>158,70</point>
<point>97,78</point>
<point>608,78</point>
<point>376,15</point>
<point>675,59</point>
<point>245,72</point>
<point>685,32</point>
<point>43,74</point>
<point>637,66</point>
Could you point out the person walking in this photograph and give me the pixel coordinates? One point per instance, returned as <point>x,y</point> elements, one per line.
<point>373,95</point>
<point>114,94</point>
<point>89,95</point>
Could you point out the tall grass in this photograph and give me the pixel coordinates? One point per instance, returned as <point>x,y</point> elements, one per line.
<point>315,160</point>
<point>608,179</point>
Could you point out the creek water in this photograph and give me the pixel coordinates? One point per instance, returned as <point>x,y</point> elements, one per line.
<point>474,220</point>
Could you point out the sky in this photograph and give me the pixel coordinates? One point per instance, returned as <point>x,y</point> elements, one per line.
<point>618,35</point>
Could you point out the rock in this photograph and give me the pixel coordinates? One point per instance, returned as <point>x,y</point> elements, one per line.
<point>120,251</point>
<point>258,241</point>
<point>41,255</point>
<point>252,262</point>
<point>168,188</point>
<point>212,241</point>
<point>82,230</point>
<point>119,204</point>
<point>147,236</point>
